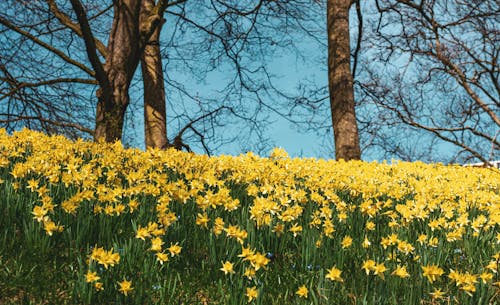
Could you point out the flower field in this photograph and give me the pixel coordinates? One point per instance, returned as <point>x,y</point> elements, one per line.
<point>86,223</point>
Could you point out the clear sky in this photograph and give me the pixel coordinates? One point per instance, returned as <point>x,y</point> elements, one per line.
<point>288,72</point>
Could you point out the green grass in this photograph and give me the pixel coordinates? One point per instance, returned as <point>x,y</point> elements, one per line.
<point>36,268</point>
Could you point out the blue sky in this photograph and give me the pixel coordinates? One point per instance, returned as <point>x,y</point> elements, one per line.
<point>289,71</point>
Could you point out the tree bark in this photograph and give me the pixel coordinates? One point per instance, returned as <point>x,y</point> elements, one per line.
<point>121,63</point>
<point>340,81</point>
<point>155,122</point>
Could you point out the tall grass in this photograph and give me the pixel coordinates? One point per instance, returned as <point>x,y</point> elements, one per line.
<point>85,223</point>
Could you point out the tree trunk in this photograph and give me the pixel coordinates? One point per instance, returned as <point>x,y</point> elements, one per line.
<point>121,63</point>
<point>155,122</point>
<point>340,81</point>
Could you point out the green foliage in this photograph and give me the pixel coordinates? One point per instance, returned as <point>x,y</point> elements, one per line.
<point>105,217</point>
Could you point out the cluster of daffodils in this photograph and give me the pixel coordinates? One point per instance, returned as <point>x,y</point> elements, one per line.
<point>106,259</point>
<point>397,215</point>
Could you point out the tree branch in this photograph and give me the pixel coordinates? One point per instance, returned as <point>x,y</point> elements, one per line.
<point>75,27</point>
<point>46,46</point>
<point>148,26</point>
<point>90,45</point>
<point>179,144</point>
<point>51,122</point>
<point>360,36</point>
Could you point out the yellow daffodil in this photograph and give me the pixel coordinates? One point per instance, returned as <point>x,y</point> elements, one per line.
<point>174,249</point>
<point>432,272</point>
<point>202,220</point>
<point>302,292</point>
<point>142,233</point>
<point>334,275</point>
<point>346,242</point>
<point>251,294</point>
<point>39,213</point>
<point>156,244</point>
<point>125,287</point>
<point>249,272</point>
<point>437,294</point>
<point>91,277</point>
<point>161,257</point>
<point>368,266</point>
<point>227,268</point>
<point>98,286</point>
<point>401,272</point>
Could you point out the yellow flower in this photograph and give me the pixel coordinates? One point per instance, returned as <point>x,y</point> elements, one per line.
<point>105,258</point>
<point>295,229</point>
<point>202,220</point>
<point>342,216</point>
<point>302,291</point>
<point>142,233</point>
<point>389,240</point>
<point>432,272</point>
<point>249,273</point>
<point>235,232</point>
<point>91,277</point>
<point>401,272</point>
<point>346,242</point>
<point>125,286</point>
<point>161,257</point>
<point>133,205</point>
<point>119,208</point>
<point>422,238</point>
<point>32,185</point>
<point>469,289</point>
<point>246,253</point>
<point>156,244</point>
<point>366,243</point>
<point>334,274</point>
<point>278,153</point>
<point>50,227</point>
<point>251,294</point>
<point>174,249</point>
<point>433,242</point>
<point>108,210</point>
<point>492,266</point>
<point>218,226</point>
<point>437,294</point>
<point>486,277</point>
<point>379,270</point>
<point>278,229</point>
<point>39,213</point>
<point>370,226</point>
<point>227,267</point>
<point>405,247</point>
<point>98,286</point>
<point>368,266</point>
<point>258,260</point>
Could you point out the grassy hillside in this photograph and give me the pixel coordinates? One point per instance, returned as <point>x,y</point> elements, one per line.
<point>85,223</point>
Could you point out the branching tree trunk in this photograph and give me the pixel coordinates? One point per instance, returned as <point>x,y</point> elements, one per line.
<point>115,75</point>
<point>132,38</point>
<point>121,63</point>
<point>340,81</point>
<point>57,56</point>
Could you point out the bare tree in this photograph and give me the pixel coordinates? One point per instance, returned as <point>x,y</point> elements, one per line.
<point>425,80</point>
<point>155,120</point>
<point>433,67</point>
<point>340,81</point>
<point>200,37</point>
<point>36,77</point>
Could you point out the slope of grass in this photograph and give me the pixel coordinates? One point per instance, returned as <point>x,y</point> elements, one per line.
<point>85,223</point>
